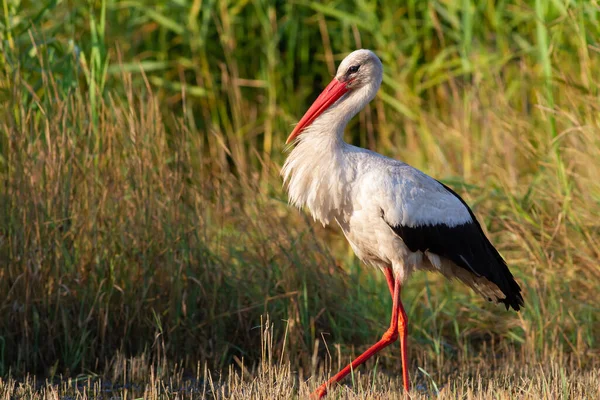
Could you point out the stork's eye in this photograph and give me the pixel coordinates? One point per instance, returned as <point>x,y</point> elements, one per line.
<point>353,69</point>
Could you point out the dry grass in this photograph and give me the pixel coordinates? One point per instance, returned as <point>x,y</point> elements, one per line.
<point>523,382</point>
<point>508,376</point>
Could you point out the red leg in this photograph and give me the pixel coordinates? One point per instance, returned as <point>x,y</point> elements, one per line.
<point>388,338</point>
<point>389,277</point>
<point>403,330</point>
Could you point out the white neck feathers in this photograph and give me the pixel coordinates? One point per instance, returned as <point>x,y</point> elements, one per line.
<point>318,173</point>
<point>317,176</point>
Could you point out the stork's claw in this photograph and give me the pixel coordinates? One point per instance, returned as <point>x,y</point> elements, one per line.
<point>319,393</point>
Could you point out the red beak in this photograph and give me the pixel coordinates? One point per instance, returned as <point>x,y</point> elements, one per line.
<point>330,95</point>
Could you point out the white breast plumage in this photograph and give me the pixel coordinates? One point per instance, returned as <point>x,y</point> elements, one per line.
<point>322,184</point>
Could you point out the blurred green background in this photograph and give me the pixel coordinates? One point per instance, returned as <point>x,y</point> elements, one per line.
<point>141,209</point>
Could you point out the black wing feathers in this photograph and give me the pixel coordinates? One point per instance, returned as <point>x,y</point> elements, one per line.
<point>467,246</point>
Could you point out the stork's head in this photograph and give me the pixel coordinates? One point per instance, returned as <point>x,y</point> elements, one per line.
<point>355,84</point>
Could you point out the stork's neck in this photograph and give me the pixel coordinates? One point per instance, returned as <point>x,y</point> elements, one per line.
<point>333,121</point>
<point>318,172</point>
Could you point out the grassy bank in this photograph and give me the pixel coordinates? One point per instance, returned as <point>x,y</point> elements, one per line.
<point>483,376</point>
<point>141,209</point>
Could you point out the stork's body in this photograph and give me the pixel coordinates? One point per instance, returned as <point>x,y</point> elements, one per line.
<point>394,216</point>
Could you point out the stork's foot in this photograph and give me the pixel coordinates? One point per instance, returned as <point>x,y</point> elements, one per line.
<point>320,392</point>
<point>406,384</point>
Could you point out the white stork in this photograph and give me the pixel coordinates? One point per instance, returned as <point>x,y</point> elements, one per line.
<point>395,217</point>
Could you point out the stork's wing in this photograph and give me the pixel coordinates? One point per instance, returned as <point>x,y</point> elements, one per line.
<point>454,233</point>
